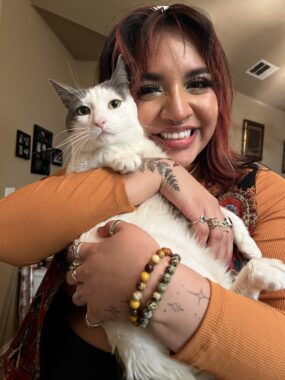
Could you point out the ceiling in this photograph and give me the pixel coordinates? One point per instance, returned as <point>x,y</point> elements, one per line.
<point>249,30</point>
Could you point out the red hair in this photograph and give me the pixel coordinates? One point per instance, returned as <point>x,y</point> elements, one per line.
<point>133,38</point>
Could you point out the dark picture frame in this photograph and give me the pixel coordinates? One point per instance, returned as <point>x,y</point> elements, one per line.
<point>23,145</point>
<point>41,152</point>
<point>252,140</point>
<point>283,158</point>
<point>57,157</point>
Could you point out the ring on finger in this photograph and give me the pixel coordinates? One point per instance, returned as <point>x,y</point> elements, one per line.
<point>213,223</point>
<point>228,222</point>
<point>91,324</point>
<point>74,249</point>
<point>113,226</point>
<point>202,219</point>
<point>74,265</point>
<point>74,275</point>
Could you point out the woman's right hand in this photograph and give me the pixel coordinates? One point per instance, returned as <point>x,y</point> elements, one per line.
<point>182,190</point>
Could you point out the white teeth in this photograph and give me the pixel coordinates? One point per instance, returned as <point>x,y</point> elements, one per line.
<point>176,135</point>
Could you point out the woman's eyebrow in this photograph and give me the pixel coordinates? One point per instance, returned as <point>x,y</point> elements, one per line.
<point>152,77</point>
<point>195,72</point>
<point>156,77</point>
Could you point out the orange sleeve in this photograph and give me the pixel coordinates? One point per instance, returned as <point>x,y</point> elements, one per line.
<point>42,218</point>
<point>240,338</point>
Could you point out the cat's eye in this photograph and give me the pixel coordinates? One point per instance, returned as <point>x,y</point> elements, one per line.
<point>83,110</point>
<point>115,103</point>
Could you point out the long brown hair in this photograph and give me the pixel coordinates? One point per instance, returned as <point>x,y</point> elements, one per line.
<point>133,36</point>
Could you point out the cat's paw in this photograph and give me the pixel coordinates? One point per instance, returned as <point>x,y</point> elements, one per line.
<point>267,274</point>
<point>260,274</point>
<point>118,160</point>
<point>126,163</point>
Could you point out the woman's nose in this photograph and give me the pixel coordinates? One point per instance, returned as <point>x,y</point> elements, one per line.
<point>177,106</point>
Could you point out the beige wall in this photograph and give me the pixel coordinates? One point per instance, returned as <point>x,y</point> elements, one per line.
<point>274,134</point>
<point>30,53</point>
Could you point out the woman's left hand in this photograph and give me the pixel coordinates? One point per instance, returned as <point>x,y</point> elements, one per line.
<point>109,270</point>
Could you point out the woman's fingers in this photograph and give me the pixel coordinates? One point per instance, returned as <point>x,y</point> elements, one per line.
<point>211,232</point>
<point>78,297</point>
<point>110,228</point>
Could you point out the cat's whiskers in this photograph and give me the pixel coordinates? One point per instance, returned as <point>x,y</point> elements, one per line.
<point>77,149</point>
<point>71,139</point>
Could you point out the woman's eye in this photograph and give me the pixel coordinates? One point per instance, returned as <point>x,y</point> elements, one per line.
<point>115,103</point>
<point>83,110</point>
<point>146,91</point>
<point>199,85</point>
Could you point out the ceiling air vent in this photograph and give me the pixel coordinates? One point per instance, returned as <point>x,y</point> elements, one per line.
<point>262,69</point>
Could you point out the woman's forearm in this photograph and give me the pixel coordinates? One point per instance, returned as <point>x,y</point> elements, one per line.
<point>42,218</point>
<point>181,309</point>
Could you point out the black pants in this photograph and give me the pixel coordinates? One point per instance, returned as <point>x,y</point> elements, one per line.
<point>65,356</point>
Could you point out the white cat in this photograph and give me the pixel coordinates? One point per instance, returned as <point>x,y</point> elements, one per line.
<point>105,132</point>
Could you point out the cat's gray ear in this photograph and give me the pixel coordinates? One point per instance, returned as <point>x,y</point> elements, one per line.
<point>119,79</point>
<point>66,93</point>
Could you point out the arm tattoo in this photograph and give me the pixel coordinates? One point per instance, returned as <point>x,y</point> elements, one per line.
<point>200,295</point>
<point>164,169</point>
<point>175,306</point>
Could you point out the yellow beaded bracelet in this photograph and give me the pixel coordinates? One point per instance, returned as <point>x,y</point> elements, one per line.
<point>152,304</point>
<point>135,302</point>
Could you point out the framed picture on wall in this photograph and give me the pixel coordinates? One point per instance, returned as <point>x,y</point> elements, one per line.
<point>252,140</point>
<point>42,150</point>
<point>283,158</point>
<point>23,145</point>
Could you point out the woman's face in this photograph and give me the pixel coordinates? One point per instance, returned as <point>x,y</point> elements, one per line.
<point>177,105</point>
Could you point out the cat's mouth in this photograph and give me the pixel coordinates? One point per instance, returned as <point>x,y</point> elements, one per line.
<point>97,132</point>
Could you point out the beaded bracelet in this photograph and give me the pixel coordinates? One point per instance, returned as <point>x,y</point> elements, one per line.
<point>135,302</point>
<point>152,304</point>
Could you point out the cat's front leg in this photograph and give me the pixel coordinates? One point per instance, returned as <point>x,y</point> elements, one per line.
<point>121,159</point>
<point>260,274</point>
<point>246,245</point>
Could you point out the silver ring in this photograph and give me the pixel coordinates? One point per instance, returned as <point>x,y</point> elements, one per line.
<point>91,324</point>
<point>74,249</point>
<point>74,265</point>
<point>228,222</point>
<point>113,226</point>
<point>202,219</point>
<point>74,274</point>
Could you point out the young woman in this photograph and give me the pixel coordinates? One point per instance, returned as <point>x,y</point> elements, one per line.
<point>181,83</point>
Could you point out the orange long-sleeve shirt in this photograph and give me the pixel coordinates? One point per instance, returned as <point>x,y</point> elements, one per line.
<point>238,339</point>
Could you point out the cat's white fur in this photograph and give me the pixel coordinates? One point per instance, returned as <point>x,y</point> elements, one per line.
<point>121,145</point>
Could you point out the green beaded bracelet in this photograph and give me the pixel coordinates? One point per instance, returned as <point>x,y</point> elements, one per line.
<point>152,304</point>
<point>135,302</point>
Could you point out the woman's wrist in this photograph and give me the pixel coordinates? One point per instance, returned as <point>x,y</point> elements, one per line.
<point>145,182</point>
<point>181,308</point>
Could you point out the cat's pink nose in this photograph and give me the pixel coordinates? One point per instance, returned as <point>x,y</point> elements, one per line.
<point>100,123</point>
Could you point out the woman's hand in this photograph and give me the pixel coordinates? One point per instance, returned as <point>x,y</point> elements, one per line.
<point>108,273</point>
<point>182,190</point>
<point>110,269</point>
